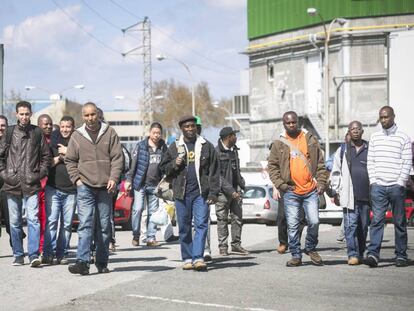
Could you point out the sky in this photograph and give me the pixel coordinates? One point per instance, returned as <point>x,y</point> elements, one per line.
<point>56,44</point>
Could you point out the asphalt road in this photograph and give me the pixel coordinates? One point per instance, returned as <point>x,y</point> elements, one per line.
<point>152,279</point>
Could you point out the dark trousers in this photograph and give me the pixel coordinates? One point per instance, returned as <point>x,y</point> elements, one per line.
<point>4,211</point>
<point>282,223</point>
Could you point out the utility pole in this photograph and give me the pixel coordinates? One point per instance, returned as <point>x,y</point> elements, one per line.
<point>1,76</point>
<point>145,51</point>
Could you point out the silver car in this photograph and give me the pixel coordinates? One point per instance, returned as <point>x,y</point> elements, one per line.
<point>259,205</point>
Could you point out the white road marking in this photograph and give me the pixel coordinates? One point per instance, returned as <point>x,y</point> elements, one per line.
<point>212,305</point>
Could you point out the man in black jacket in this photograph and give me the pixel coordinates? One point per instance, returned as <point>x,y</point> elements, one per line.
<point>192,164</point>
<point>60,194</point>
<point>229,200</point>
<point>23,163</point>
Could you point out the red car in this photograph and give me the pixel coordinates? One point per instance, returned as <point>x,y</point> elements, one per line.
<point>122,211</point>
<point>409,213</point>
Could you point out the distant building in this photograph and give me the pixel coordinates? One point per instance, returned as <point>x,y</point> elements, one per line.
<point>128,124</point>
<point>286,55</point>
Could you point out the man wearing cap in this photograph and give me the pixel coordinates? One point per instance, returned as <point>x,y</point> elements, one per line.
<point>192,165</point>
<point>229,200</point>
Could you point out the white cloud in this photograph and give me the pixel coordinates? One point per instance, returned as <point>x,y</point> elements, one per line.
<point>227,4</point>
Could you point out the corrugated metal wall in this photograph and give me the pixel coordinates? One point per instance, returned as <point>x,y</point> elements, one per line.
<point>272,16</point>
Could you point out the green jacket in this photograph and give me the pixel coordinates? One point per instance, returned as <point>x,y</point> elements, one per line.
<point>279,163</point>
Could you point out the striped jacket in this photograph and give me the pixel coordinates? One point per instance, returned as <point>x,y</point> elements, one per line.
<point>389,157</point>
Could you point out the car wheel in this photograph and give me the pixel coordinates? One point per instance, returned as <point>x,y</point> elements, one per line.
<point>128,225</point>
<point>411,221</point>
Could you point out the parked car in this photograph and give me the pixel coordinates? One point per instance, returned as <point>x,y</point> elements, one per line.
<point>409,213</point>
<point>331,214</point>
<point>258,205</point>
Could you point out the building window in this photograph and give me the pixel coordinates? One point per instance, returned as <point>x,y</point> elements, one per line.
<point>270,71</point>
<point>130,138</point>
<point>241,104</point>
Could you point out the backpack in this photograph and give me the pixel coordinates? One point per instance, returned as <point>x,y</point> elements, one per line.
<point>127,160</point>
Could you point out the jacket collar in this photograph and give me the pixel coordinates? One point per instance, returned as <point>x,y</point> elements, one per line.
<point>84,133</point>
<point>199,139</point>
<point>224,148</point>
<point>392,130</point>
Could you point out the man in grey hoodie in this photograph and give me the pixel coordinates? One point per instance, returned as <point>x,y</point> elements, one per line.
<point>94,162</point>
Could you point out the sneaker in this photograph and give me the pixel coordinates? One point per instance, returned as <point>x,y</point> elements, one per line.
<point>79,267</point>
<point>200,266</point>
<point>172,238</point>
<point>153,243</point>
<point>188,266</point>
<point>371,261</point>
<point>315,258</point>
<point>18,261</point>
<point>294,262</point>
<point>401,262</point>
<point>223,252</point>
<point>281,249</point>
<point>353,261</point>
<point>135,241</point>
<point>208,258</point>
<point>112,247</point>
<point>102,269</point>
<point>62,261</point>
<point>46,260</point>
<point>34,261</point>
<point>239,250</point>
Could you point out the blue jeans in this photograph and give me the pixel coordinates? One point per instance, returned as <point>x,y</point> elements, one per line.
<point>381,197</point>
<point>33,226</point>
<point>94,213</point>
<point>144,195</point>
<point>196,207</point>
<point>59,206</point>
<point>356,224</point>
<point>309,203</point>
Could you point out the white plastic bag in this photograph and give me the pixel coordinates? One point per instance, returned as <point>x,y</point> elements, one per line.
<point>159,217</point>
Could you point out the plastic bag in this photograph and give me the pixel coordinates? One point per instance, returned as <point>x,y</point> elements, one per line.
<point>159,217</point>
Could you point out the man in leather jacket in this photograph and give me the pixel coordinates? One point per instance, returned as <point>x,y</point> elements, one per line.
<point>24,161</point>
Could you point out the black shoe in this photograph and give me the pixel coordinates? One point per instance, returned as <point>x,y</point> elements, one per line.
<point>371,261</point>
<point>79,267</point>
<point>18,261</point>
<point>208,258</point>
<point>46,260</point>
<point>34,261</point>
<point>401,262</point>
<point>172,238</point>
<point>102,269</point>
<point>223,251</point>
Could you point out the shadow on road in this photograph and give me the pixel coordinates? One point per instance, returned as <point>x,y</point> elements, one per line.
<point>113,260</point>
<point>143,268</point>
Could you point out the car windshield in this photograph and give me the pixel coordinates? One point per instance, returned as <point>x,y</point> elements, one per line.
<point>254,193</point>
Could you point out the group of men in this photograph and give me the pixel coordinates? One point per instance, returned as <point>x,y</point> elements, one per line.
<point>84,166</point>
<point>365,176</point>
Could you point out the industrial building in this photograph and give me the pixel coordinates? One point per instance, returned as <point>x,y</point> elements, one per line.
<point>369,45</point>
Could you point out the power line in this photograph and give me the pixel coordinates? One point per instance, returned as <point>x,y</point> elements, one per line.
<point>106,20</point>
<point>84,30</point>
<point>173,39</point>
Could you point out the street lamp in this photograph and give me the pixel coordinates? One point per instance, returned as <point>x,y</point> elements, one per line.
<point>162,57</point>
<point>54,96</point>
<point>327,31</point>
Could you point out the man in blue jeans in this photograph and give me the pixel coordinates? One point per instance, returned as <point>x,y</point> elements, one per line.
<point>60,194</point>
<point>24,161</point>
<point>144,176</point>
<point>350,184</point>
<point>296,167</point>
<point>94,162</point>
<point>389,164</point>
<point>192,164</point>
